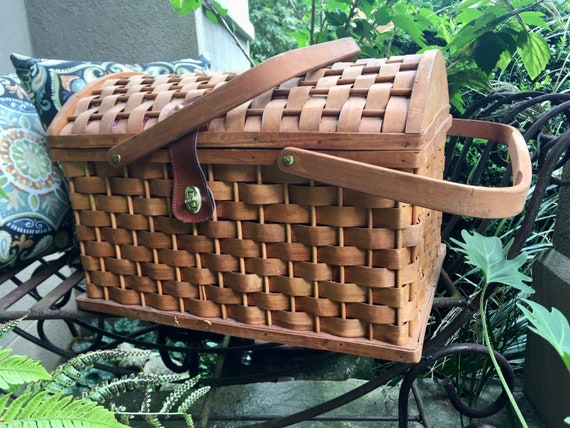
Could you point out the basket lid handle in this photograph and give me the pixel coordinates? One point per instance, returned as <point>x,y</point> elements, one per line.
<point>450,197</point>
<point>242,88</point>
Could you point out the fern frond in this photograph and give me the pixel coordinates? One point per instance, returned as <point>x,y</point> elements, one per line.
<point>89,359</point>
<point>110,389</point>
<point>68,373</point>
<point>161,379</point>
<point>175,395</point>
<point>192,398</point>
<point>14,408</point>
<point>4,402</point>
<point>18,370</point>
<point>46,410</point>
<point>153,421</point>
<point>189,421</point>
<point>49,403</point>
<point>33,404</point>
<point>147,399</point>
<point>9,326</point>
<point>178,393</point>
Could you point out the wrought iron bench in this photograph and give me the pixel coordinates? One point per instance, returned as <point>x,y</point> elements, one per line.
<point>44,290</point>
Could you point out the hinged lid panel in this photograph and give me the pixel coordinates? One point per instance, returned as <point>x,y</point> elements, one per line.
<point>398,103</point>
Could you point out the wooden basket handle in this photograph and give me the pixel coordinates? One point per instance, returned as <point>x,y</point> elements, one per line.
<point>242,88</point>
<point>454,198</point>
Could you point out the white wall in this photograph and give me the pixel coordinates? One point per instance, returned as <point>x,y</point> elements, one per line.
<point>14,36</point>
<point>139,31</point>
<point>107,30</point>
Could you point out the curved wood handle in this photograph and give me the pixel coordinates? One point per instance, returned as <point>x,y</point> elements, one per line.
<point>454,198</point>
<point>242,88</point>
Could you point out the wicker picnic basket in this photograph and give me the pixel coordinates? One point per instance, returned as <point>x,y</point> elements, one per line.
<point>312,217</point>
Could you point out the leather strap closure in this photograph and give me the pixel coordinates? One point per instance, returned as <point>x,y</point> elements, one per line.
<point>192,200</point>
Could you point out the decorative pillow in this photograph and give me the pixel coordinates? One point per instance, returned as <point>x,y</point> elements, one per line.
<point>35,214</point>
<point>50,82</point>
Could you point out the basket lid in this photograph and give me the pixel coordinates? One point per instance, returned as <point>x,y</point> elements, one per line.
<point>375,100</point>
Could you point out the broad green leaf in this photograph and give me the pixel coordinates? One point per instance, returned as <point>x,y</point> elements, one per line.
<point>534,18</point>
<point>471,31</point>
<point>504,60</point>
<point>382,16</point>
<point>508,39</point>
<point>466,4</point>
<point>301,36</point>
<point>361,27</point>
<point>184,7</point>
<point>407,24</point>
<point>337,4</point>
<point>468,15</point>
<point>460,77</point>
<point>220,9</point>
<point>342,32</point>
<point>551,326</point>
<point>488,254</point>
<point>522,3</point>
<point>189,6</point>
<point>534,52</point>
<point>487,51</point>
<point>176,4</point>
<point>18,370</point>
<point>212,16</point>
<point>336,18</point>
<point>567,420</point>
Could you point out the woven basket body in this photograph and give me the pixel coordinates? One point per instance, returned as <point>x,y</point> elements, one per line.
<point>284,258</point>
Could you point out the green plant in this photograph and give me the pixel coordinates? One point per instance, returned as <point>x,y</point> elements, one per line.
<point>488,255</point>
<point>552,326</point>
<point>33,407</point>
<point>177,403</point>
<point>275,23</point>
<point>522,41</point>
<point>479,38</point>
<point>34,397</point>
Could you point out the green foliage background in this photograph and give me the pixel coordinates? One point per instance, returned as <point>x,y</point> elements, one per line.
<point>522,42</point>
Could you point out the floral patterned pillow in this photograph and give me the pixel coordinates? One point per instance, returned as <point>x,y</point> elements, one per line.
<point>35,214</point>
<point>50,82</point>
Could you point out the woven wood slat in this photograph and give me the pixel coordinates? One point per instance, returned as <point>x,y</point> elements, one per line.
<point>296,321</point>
<point>119,110</point>
<point>199,276</point>
<point>123,296</point>
<point>142,284</point>
<point>299,260</point>
<point>180,289</point>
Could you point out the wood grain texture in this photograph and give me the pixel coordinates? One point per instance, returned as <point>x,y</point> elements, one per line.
<point>284,258</point>
<point>210,320</point>
<point>424,191</point>
<point>240,89</point>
